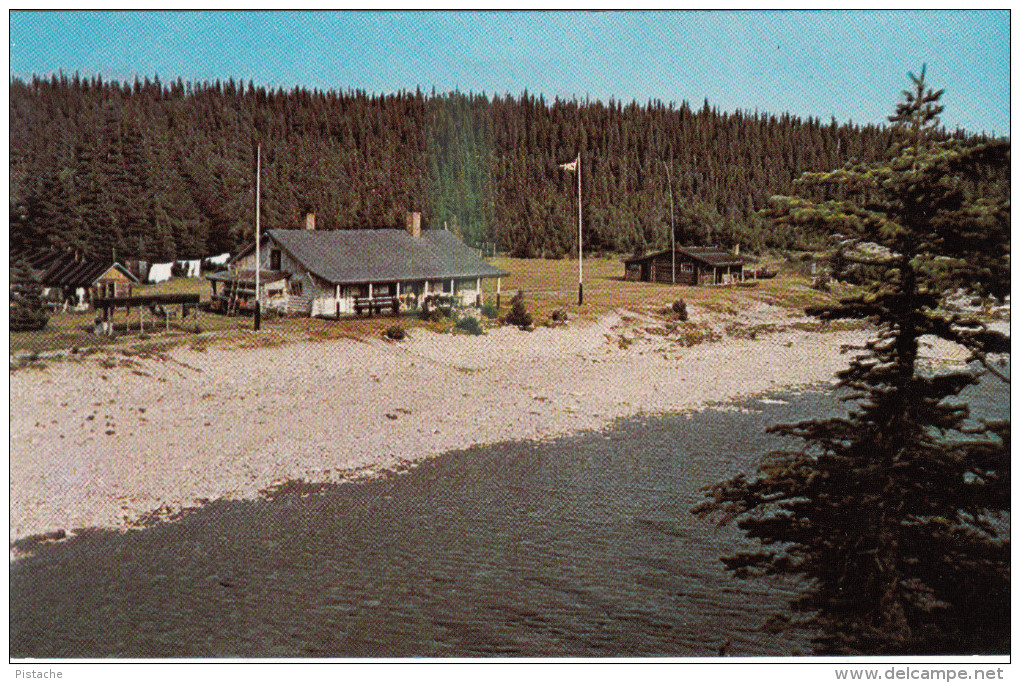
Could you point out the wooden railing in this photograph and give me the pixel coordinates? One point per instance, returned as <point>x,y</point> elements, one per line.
<point>376,304</point>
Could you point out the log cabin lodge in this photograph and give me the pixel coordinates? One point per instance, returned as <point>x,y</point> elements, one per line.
<point>693,266</point>
<point>346,272</point>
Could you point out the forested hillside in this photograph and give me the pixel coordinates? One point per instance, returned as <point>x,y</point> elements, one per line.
<point>159,171</point>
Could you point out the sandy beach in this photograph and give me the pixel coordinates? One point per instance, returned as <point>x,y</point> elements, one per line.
<point>107,440</point>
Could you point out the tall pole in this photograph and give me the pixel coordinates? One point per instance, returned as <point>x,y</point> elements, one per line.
<point>672,226</point>
<point>580,256</point>
<point>258,236</point>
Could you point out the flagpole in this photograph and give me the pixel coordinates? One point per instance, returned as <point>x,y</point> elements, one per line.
<point>580,257</point>
<point>258,236</point>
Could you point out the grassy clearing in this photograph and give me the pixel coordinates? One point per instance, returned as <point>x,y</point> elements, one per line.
<point>549,285</point>
<point>178,285</point>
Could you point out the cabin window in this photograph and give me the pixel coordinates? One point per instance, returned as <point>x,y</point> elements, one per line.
<point>686,267</point>
<point>295,287</point>
<point>274,259</point>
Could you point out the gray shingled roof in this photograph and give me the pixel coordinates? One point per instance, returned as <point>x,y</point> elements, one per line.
<point>713,256</point>
<point>265,276</point>
<point>386,255</point>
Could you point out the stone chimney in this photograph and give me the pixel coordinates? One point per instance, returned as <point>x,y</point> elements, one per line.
<point>309,221</point>
<point>414,223</point>
<point>736,249</point>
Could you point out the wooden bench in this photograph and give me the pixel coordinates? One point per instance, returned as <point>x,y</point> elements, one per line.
<point>376,304</point>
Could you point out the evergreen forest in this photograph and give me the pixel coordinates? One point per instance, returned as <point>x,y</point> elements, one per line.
<point>158,171</point>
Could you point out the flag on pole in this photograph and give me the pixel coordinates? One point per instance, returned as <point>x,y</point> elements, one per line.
<point>575,166</point>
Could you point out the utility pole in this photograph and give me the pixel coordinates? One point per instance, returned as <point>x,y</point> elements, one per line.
<point>258,237</point>
<point>580,256</point>
<point>672,226</point>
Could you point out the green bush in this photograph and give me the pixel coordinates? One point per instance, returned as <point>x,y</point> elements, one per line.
<point>470,325</point>
<point>559,315</point>
<point>430,314</point>
<point>490,311</point>
<point>680,309</point>
<point>436,308</point>
<point>395,332</point>
<point>519,314</point>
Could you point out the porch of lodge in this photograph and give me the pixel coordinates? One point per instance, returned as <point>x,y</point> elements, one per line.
<point>233,292</point>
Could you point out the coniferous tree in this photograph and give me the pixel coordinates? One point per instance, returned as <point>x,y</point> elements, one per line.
<point>26,304</point>
<point>166,170</point>
<point>893,513</point>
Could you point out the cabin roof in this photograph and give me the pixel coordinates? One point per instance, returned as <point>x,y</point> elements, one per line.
<point>377,255</point>
<point>716,257</point>
<point>61,269</point>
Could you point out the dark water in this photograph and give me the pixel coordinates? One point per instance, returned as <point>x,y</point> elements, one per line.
<point>583,546</point>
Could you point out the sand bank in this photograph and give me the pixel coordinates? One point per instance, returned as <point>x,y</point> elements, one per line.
<point>100,446</point>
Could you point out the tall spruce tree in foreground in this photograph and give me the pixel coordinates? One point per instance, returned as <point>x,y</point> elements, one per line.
<point>892,514</point>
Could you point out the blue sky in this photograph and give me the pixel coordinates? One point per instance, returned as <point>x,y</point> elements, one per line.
<point>850,65</point>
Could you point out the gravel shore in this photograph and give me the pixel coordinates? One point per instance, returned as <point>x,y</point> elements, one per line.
<point>108,440</point>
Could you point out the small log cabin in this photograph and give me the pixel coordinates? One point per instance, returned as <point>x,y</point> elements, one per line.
<point>694,266</point>
<point>70,280</point>
<point>346,272</point>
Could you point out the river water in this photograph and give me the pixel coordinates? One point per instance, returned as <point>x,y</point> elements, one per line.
<point>581,546</point>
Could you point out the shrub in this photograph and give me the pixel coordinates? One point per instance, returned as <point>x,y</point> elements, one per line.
<point>427,311</point>
<point>490,311</point>
<point>680,309</point>
<point>436,308</point>
<point>430,314</point>
<point>470,325</point>
<point>518,314</point>
<point>559,316</point>
<point>395,332</point>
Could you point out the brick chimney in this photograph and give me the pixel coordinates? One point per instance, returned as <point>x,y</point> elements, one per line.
<point>414,223</point>
<point>309,221</point>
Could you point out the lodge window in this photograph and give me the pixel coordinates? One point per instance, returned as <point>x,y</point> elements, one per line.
<point>295,287</point>
<point>686,267</point>
<point>274,259</point>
